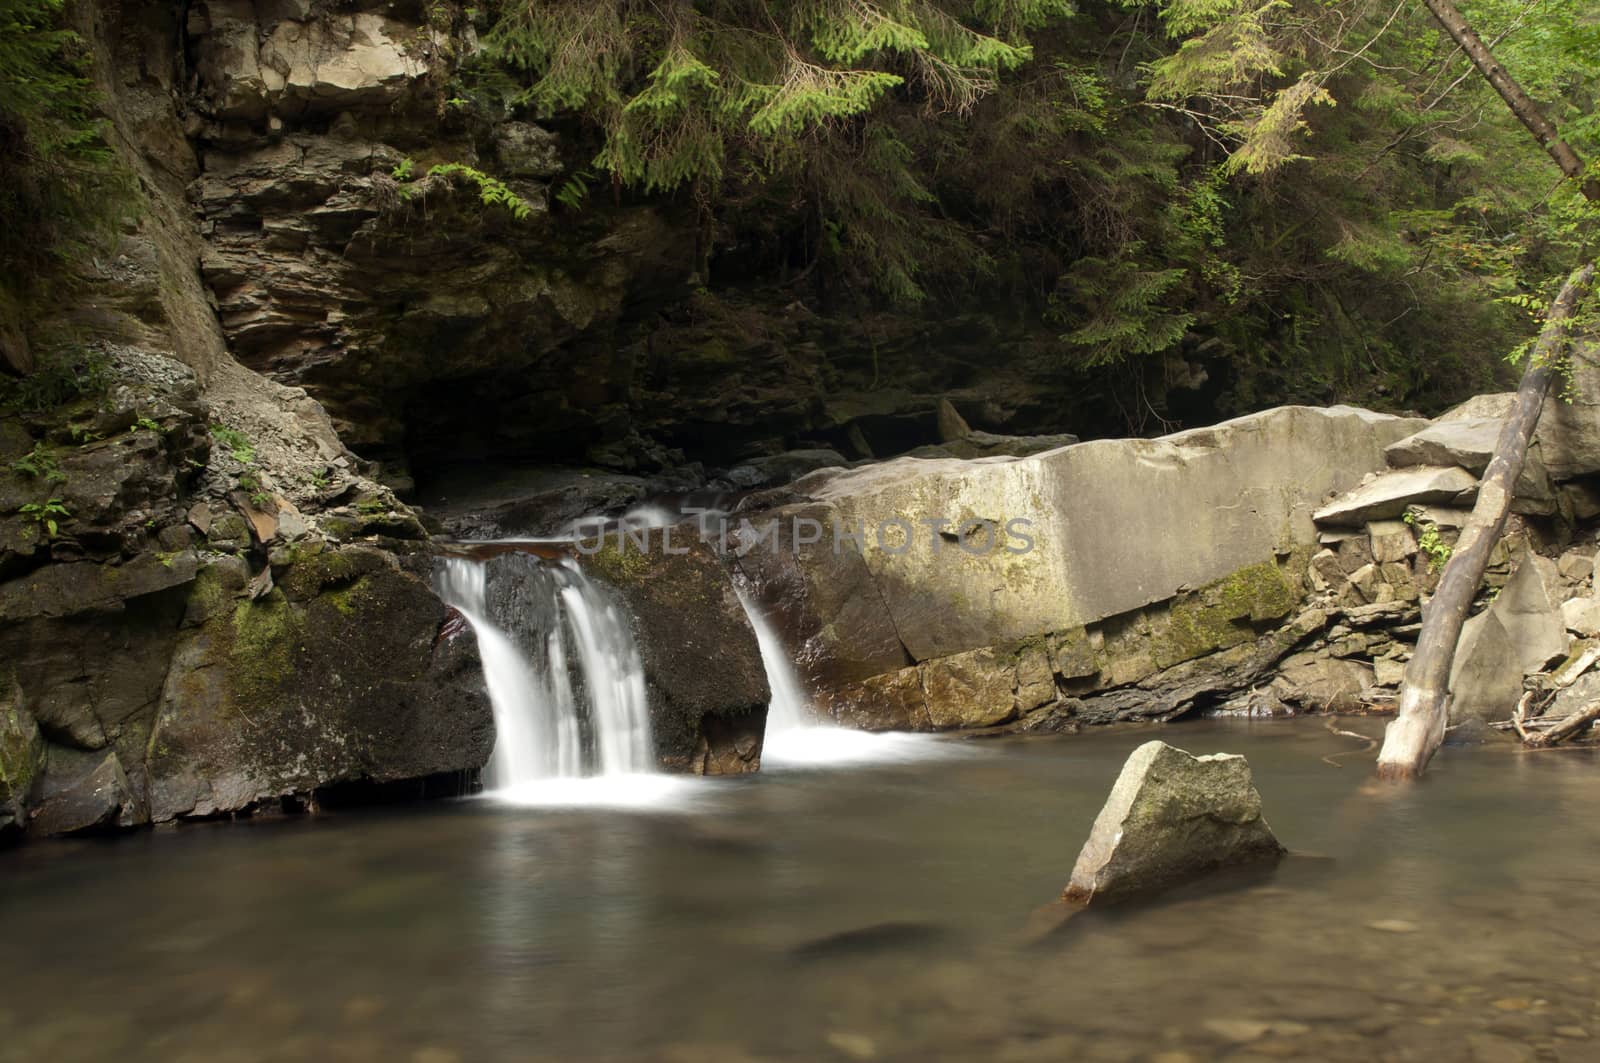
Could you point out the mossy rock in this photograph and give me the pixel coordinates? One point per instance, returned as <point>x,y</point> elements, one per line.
<point>21,755</point>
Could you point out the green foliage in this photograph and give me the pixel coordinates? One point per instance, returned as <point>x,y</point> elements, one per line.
<point>146,424</point>
<point>61,374</point>
<point>238,444</point>
<point>675,87</point>
<point>735,95</point>
<point>48,515</point>
<point>574,190</point>
<point>60,188</point>
<point>39,464</point>
<point>1120,309</point>
<point>492,192</point>
<point>1432,546</point>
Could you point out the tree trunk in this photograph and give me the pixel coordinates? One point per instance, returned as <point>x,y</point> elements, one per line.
<point>1516,98</point>
<point>1416,733</point>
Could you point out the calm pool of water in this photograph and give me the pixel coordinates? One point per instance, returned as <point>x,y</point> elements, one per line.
<point>874,912</point>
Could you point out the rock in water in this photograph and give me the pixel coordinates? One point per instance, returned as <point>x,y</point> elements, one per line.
<point>1172,817</point>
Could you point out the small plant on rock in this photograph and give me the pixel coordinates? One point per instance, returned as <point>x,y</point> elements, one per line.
<point>239,445</point>
<point>48,515</point>
<point>39,464</point>
<point>1428,540</point>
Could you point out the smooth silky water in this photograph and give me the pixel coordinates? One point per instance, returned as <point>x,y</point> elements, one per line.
<point>881,910</point>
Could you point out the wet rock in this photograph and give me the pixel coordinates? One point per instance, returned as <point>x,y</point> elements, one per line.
<point>83,794</point>
<point>1323,684</point>
<point>973,689</point>
<point>275,697</point>
<point>1172,817</point>
<point>893,701</point>
<point>1388,495</point>
<point>825,598</point>
<point>21,758</point>
<point>707,685</point>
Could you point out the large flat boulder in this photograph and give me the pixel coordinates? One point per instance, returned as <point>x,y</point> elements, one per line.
<point>1469,443</point>
<point>1101,528</point>
<point>1389,494</point>
<point>1172,817</point>
<point>1568,434</point>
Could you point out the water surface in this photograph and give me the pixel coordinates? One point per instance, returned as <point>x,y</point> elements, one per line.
<point>876,912</point>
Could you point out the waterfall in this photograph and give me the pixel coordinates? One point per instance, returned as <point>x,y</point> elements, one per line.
<point>794,734</point>
<point>790,708</point>
<point>562,670</point>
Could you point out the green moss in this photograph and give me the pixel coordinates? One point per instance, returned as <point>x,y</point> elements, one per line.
<point>347,600</point>
<point>309,573</point>
<point>617,562</point>
<point>19,751</point>
<point>342,528</point>
<point>1223,614</point>
<point>209,592</point>
<point>1260,592</point>
<point>261,650</point>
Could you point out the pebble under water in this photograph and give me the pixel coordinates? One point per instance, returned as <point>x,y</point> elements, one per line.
<point>879,912</point>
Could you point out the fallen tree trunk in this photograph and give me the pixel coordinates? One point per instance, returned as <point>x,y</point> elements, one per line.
<point>1416,733</point>
<point>1575,724</point>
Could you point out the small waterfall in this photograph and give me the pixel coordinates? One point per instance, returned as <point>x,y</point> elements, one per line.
<point>563,673</point>
<point>795,735</point>
<point>790,709</point>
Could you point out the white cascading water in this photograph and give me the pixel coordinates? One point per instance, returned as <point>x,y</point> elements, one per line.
<point>569,700</point>
<point>794,736</point>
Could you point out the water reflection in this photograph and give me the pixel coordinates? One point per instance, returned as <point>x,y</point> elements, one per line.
<point>824,915</point>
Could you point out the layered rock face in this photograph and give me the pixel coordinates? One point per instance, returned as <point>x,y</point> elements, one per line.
<point>176,646</point>
<point>437,329</point>
<point>206,604</point>
<point>1139,558</point>
<point>331,273</point>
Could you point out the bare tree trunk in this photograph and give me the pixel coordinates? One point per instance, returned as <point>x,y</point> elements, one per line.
<point>1416,733</point>
<point>1516,98</point>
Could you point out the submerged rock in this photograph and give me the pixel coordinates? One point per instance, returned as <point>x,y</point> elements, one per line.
<point>1171,817</point>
